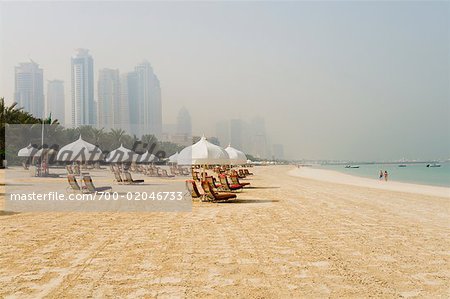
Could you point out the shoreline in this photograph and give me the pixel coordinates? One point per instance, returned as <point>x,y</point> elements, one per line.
<point>332,176</point>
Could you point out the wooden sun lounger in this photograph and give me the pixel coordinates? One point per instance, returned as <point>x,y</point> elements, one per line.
<point>241,174</point>
<point>212,181</point>
<point>73,184</point>
<point>129,179</point>
<point>192,187</point>
<point>165,174</point>
<point>226,186</point>
<point>247,172</point>
<point>117,176</point>
<point>235,181</point>
<point>214,196</point>
<point>90,185</point>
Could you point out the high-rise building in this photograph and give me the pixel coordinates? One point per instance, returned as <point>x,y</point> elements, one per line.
<point>278,152</point>
<point>259,138</point>
<point>236,128</point>
<point>83,104</point>
<point>129,97</point>
<point>148,100</point>
<point>29,88</point>
<point>109,99</point>
<point>184,125</point>
<point>223,132</point>
<point>124,104</point>
<point>55,100</point>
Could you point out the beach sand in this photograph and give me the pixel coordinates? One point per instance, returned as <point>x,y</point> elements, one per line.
<point>288,236</point>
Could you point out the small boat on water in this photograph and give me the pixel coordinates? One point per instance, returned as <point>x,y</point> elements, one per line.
<point>434,165</point>
<point>402,165</point>
<point>351,166</point>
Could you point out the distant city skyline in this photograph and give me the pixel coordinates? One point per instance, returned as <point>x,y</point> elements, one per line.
<point>332,80</point>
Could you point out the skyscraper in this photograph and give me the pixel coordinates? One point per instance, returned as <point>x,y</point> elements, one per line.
<point>148,100</point>
<point>184,125</point>
<point>223,132</point>
<point>29,88</point>
<point>83,105</point>
<point>129,96</point>
<point>109,99</point>
<point>259,138</point>
<point>278,152</point>
<point>55,100</point>
<point>236,128</point>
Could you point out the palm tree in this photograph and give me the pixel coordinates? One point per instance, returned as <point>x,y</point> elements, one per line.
<point>12,115</point>
<point>117,136</point>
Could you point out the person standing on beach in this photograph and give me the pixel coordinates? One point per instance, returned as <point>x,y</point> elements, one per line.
<point>386,175</point>
<point>381,175</point>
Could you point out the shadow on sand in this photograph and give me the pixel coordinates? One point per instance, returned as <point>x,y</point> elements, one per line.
<point>251,187</point>
<point>8,213</point>
<point>250,201</point>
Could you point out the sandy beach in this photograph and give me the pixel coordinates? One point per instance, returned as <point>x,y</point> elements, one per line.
<point>287,236</point>
<point>332,176</point>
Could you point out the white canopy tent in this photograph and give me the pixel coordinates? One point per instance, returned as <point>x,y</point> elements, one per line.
<point>79,151</point>
<point>121,155</point>
<point>174,158</point>
<point>203,153</point>
<point>237,157</point>
<point>28,151</point>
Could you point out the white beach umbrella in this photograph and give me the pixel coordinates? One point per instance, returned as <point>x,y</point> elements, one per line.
<point>146,158</point>
<point>79,151</point>
<point>237,157</point>
<point>121,155</point>
<point>203,153</point>
<point>173,158</point>
<point>27,151</point>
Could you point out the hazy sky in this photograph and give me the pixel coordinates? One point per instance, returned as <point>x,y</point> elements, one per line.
<point>333,80</point>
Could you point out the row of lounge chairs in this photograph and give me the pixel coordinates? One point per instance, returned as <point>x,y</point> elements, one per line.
<point>155,171</point>
<point>124,177</point>
<point>214,190</point>
<point>87,187</point>
<point>75,169</point>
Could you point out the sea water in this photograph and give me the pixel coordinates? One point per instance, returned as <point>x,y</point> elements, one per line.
<point>412,173</point>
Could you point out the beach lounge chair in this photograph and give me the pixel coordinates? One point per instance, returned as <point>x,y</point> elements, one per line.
<point>235,181</point>
<point>247,172</point>
<point>226,186</point>
<point>212,181</point>
<point>165,174</point>
<point>117,177</point>
<point>73,184</point>
<point>195,176</point>
<point>151,171</point>
<point>129,179</point>
<point>214,196</point>
<point>192,187</point>
<point>90,185</point>
<point>184,171</point>
<point>241,174</point>
<point>69,169</point>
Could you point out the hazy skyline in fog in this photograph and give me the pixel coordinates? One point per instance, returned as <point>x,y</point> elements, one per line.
<point>344,80</point>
